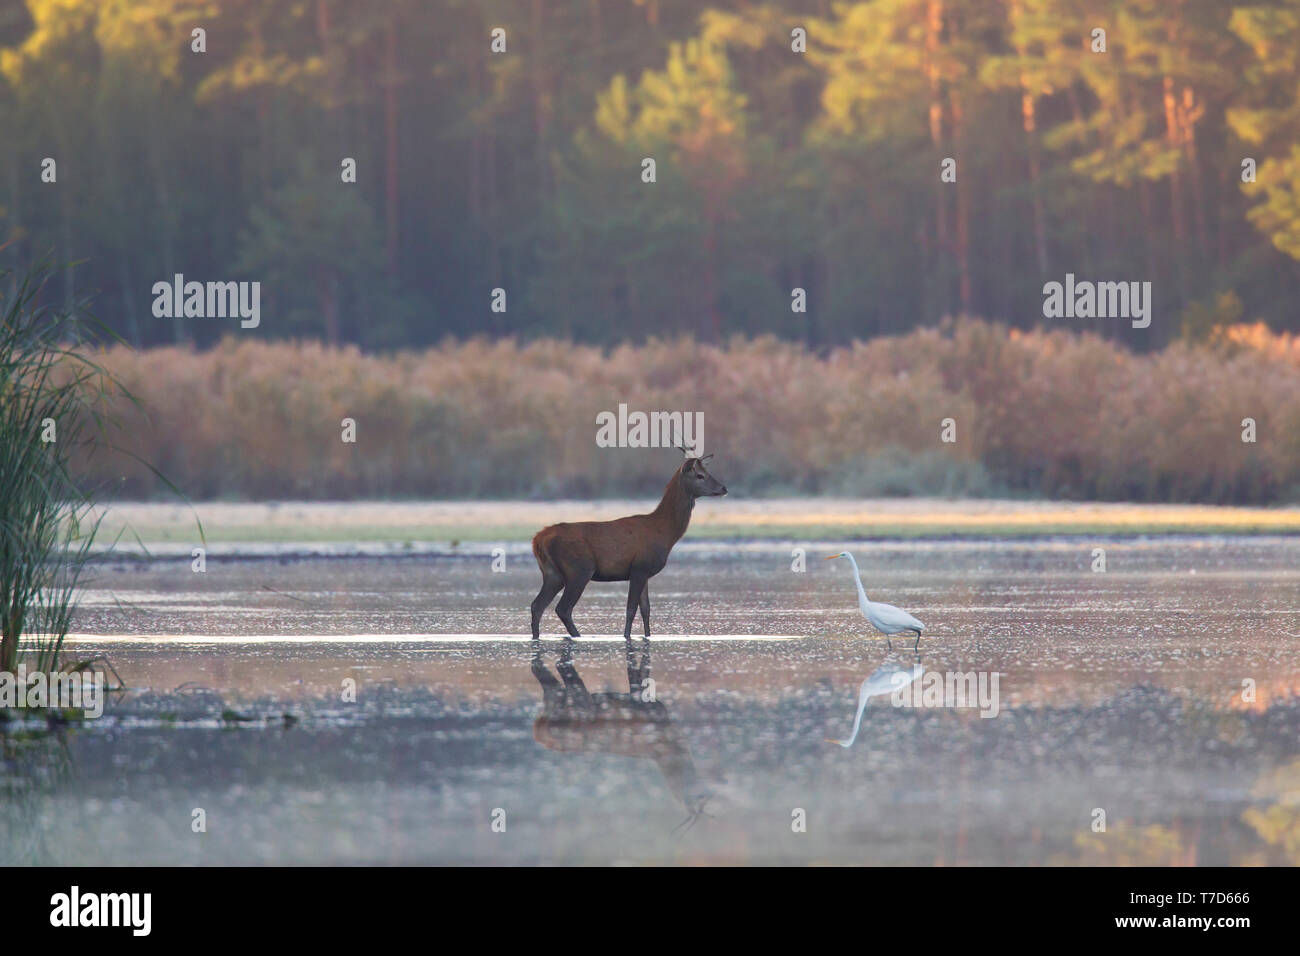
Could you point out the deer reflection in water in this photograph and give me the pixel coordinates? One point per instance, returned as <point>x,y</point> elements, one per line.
<point>635,724</point>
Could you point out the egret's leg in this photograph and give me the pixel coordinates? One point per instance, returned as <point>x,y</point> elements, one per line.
<point>917,645</point>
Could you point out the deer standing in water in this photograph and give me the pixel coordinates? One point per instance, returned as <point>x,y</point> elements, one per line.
<point>632,549</point>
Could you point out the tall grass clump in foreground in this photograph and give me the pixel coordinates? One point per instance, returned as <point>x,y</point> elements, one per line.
<point>51,397</point>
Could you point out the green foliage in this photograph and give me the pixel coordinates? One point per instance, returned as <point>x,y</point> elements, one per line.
<point>51,397</point>
<point>313,227</point>
<point>1278,215</point>
<point>1201,321</point>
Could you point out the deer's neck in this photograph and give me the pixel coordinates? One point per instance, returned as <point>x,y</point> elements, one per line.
<point>675,508</point>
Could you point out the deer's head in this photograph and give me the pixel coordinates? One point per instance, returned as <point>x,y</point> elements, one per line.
<point>697,481</point>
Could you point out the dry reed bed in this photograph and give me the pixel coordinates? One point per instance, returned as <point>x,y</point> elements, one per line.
<point>1040,413</point>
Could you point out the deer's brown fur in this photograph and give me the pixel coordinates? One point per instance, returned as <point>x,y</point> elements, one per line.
<point>632,549</point>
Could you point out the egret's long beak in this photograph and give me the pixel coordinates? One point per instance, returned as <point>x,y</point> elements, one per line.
<point>834,556</point>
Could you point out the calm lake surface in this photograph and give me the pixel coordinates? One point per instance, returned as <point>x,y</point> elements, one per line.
<point>1164,692</point>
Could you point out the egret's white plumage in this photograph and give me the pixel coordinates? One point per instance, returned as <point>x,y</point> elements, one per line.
<point>885,680</point>
<point>885,618</point>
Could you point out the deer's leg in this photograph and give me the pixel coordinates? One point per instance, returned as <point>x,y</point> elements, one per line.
<point>573,588</point>
<point>635,588</point>
<point>551,584</point>
<point>550,686</point>
<point>645,609</point>
<point>638,675</point>
<point>633,674</point>
<point>575,690</point>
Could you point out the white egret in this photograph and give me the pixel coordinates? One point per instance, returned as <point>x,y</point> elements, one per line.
<point>887,679</point>
<point>885,618</point>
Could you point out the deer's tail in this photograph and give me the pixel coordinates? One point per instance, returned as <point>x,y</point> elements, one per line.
<point>541,551</point>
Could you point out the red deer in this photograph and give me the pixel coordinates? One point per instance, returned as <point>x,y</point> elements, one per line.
<point>632,549</point>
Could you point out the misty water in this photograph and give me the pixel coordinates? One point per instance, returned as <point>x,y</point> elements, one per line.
<point>1161,692</point>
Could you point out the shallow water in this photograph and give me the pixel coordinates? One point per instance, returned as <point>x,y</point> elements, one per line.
<point>1119,692</point>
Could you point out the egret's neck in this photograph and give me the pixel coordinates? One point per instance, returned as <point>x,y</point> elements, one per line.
<point>857,579</point>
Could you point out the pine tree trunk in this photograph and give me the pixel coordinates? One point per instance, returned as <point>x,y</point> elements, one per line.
<point>390,143</point>
<point>933,27</point>
<point>965,285</point>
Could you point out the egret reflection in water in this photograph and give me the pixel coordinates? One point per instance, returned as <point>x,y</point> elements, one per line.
<point>886,679</point>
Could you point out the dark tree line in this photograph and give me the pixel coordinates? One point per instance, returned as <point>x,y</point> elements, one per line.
<point>775,169</point>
